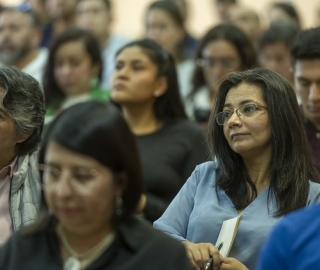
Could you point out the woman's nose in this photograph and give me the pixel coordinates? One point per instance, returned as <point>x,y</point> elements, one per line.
<point>235,119</point>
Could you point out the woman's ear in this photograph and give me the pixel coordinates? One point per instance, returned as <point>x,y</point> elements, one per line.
<point>22,138</point>
<point>121,182</point>
<point>161,87</point>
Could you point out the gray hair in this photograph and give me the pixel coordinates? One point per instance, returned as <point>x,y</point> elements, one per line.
<point>23,100</point>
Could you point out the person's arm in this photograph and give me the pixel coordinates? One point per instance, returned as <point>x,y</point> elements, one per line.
<point>175,219</point>
<point>175,222</point>
<point>275,253</point>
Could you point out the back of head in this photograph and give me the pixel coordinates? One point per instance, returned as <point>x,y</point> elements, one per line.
<point>306,45</point>
<point>97,130</point>
<point>23,100</point>
<point>51,88</point>
<point>233,35</point>
<point>283,32</point>
<point>168,105</point>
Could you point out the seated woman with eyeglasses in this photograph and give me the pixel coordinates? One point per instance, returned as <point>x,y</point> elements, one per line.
<point>92,182</point>
<point>223,49</point>
<point>262,171</point>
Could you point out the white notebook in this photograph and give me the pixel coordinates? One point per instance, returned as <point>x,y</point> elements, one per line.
<point>227,234</point>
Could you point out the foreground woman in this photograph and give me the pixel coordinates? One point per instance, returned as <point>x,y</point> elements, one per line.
<point>92,183</point>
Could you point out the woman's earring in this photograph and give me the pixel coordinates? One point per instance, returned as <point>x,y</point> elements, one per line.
<point>119,205</point>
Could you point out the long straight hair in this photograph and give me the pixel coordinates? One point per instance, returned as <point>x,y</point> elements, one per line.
<point>291,166</point>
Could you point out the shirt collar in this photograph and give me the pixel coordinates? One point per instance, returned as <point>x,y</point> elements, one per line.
<point>8,170</point>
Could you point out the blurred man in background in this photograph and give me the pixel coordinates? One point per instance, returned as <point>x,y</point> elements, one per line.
<point>20,34</point>
<point>305,55</point>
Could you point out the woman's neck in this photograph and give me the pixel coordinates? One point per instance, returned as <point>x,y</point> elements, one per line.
<point>259,172</point>
<point>83,242</point>
<point>141,119</point>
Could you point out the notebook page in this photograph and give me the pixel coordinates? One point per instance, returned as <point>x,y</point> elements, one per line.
<point>227,234</point>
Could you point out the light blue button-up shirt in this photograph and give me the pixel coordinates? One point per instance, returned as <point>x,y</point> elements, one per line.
<point>199,209</point>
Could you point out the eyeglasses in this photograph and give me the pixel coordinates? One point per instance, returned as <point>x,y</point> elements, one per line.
<point>80,178</point>
<point>225,63</point>
<point>247,110</point>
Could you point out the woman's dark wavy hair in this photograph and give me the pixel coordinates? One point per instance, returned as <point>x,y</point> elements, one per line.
<point>98,130</point>
<point>236,37</point>
<point>291,167</point>
<point>169,105</point>
<point>174,12</point>
<point>51,89</point>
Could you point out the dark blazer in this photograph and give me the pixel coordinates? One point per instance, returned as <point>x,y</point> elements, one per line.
<point>137,246</point>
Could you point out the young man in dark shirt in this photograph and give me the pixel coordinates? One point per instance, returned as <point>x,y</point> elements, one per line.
<point>305,55</point>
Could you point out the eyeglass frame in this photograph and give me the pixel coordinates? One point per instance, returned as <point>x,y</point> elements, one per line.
<point>44,169</point>
<point>238,113</point>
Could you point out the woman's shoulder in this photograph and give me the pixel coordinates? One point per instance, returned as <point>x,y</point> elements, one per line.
<point>22,246</point>
<point>314,193</point>
<point>205,173</point>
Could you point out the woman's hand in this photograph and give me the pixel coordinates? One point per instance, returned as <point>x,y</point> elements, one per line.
<point>199,254</point>
<point>231,264</point>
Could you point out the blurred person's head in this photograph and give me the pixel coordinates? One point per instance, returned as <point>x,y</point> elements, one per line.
<point>144,76</point>
<point>284,11</point>
<point>247,20</point>
<point>93,143</point>
<point>39,8</point>
<point>22,112</point>
<point>305,54</point>
<point>19,35</point>
<point>223,8</point>
<point>165,25</point>
<point>74,61</point>
<point>183,7</point>
<point>95,16</point>
<point>61,9</point>
<point>223,49</point>
<point>274,48</point>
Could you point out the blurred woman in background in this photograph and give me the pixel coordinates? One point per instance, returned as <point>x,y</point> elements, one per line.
<point>165,25</point>
<point>92,183</point>
<point>73,71</point>
<point>145,86</point>
<point>223,49</point>
<point>284,11</point>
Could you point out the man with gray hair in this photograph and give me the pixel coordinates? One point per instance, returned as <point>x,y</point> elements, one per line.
<point>20,34</point>
<point>22,111</point>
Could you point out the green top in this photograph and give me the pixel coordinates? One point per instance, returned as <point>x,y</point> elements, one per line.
<point>95,94</point>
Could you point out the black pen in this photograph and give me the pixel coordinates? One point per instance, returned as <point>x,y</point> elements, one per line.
<point>210,262</point>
